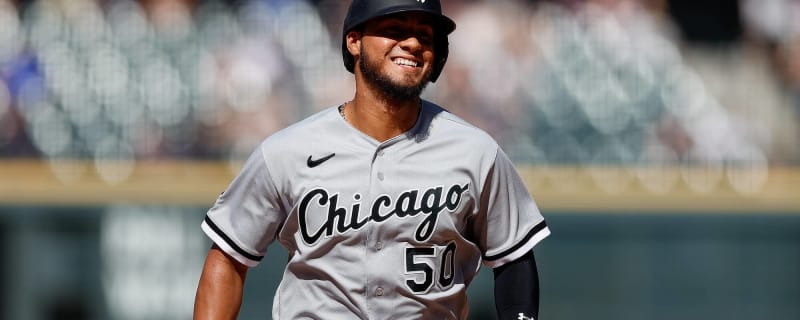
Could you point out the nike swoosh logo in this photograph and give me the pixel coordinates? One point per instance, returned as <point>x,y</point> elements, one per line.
<point>315,162</point>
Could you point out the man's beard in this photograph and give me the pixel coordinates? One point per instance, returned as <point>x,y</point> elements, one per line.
<point>390,90</point>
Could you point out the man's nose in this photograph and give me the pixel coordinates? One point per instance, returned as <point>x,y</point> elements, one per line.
<point>410,43</point>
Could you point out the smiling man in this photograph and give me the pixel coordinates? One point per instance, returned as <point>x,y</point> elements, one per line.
<point>402,42</point>
<point>387,204</point>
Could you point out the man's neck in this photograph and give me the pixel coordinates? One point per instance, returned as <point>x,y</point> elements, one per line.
<point>380,118</point>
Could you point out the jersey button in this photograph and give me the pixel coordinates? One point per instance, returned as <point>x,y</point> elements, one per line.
<point>380,176</point>
<point>379,245</point>
<point>379,291</point>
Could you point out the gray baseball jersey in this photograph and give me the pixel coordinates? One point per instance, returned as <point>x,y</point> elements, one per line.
<point>377,230</point>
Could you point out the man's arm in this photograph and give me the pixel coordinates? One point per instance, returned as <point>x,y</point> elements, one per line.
<point>516,289</point>
<point>219,294</point>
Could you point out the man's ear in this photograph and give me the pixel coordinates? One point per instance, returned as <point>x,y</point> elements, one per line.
<point>353,41</point>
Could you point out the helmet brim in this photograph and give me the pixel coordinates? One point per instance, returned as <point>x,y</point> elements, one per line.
<point>443,24</point>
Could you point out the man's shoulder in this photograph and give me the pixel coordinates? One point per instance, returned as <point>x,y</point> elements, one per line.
<point>305,128</point>
<point>299,136</point>
<point>449,125</point>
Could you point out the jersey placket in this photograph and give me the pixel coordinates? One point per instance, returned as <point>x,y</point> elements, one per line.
<point>380,288</point>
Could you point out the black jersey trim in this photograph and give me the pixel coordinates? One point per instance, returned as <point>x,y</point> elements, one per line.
<point>230,242</point>
<point>539,227</point>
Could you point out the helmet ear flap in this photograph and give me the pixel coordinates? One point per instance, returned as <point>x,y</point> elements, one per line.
<point>349,59</point>
<point>440,50</point>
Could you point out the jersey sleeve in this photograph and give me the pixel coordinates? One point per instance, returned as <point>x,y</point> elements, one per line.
<point>509,224</point>
<point>245,219</point>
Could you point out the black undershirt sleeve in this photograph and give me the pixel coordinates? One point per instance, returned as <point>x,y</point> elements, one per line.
<point>516,289</point>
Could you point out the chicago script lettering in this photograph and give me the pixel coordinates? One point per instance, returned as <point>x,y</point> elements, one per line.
<point>406,204</point>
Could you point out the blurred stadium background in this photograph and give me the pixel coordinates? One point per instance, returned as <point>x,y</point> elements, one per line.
<point>660,138</point>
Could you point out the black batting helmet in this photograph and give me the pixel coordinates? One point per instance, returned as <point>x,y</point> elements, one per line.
<point>361,11</point>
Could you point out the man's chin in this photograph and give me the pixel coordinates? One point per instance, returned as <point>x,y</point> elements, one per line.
<point>393,86</point>
<point>401,91</point>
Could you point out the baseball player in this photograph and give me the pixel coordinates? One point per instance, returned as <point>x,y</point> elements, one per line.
<point>387,204</point>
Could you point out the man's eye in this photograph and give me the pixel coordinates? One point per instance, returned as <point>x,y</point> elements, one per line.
<point>392,31</point>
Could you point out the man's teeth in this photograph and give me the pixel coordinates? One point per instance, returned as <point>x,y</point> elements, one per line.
<point>405,62</point>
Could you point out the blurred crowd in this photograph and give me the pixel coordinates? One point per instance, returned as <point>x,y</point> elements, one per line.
<point>576,82</point>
